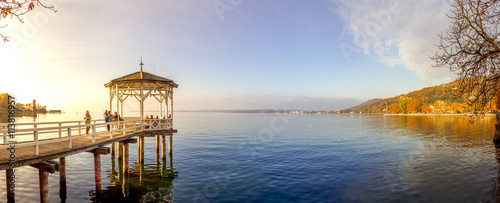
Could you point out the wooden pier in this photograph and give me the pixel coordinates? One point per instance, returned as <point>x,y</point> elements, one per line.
<point>42,144</point>
<point>38,144</point>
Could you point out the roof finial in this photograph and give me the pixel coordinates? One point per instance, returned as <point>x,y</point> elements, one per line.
<point>141,66</point>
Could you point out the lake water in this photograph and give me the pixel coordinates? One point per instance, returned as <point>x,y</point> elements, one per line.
<point>230,157</point>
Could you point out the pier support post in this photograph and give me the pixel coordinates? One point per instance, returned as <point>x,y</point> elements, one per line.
<point>170,144</point>
<point>125,143</point>
<point>44,185</point>
<point>125,161</point>
<point>44,169</point>
<point>157,145</point>
<point>97,168</point>
<point>120,150</point>
<point>170,155</point>
<point>10,180</point>
<point>113,150</point>
<point>141,149</point>
<point>163,148</point>
<point>62,179</point>
<point>97,174</point>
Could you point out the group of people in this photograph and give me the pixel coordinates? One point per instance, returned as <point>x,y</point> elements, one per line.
<point>155,124</point>
<point>169,117</point>
<point>109,117</point>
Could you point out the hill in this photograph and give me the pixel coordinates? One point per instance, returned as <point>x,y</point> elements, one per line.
<point>436,99</point>
<point>371,101</point>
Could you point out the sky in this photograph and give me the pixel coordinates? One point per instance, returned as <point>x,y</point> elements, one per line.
<point>225,54</point>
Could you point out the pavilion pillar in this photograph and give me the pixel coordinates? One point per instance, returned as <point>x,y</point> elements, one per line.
<point>172,104</point>
<point>10,180</point>
<point>142,102</point>
<point>121,108</point>
<point>111,98</point>
<point>62,179</point>
<point>117,99</point>
<point>167,92</point>
<point>160,110</point>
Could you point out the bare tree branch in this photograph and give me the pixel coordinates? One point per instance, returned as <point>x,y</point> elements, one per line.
<point>470,48</point>
<point>17,9</point>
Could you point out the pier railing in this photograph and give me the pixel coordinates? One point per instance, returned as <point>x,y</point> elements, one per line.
<point>37,133</point>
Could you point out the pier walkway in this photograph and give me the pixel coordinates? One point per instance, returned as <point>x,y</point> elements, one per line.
<point>37,142</point>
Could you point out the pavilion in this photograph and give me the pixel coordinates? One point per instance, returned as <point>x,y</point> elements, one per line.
<point>142,85</point>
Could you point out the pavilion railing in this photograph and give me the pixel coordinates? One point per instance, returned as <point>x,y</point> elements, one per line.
<point>37,133</point>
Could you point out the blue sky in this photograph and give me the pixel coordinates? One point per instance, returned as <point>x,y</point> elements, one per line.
<point>226,54</point>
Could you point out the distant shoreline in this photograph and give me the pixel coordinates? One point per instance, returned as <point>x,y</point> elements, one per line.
<point>437,114</point>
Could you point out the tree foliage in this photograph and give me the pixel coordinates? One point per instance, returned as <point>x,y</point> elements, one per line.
<point>403,104</point>
<point>12,9</point>
<point>4,99</point>
<point>414,106</point>
<point>470,48</point>
<point>395,108</point>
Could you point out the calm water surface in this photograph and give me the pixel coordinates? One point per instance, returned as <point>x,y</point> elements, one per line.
<point>225,157</point>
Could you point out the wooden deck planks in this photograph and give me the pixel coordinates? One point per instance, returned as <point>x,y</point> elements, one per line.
<point>25,155</point>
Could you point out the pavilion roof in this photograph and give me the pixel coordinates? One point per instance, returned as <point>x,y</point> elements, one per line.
<point>148,79</point>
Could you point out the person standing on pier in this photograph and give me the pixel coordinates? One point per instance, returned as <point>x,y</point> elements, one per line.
<point>87,120</point>
<point>115,119</point>
<point>106,118</point>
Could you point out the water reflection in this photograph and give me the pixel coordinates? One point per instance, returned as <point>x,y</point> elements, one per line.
<point>145,182</point>
<point>446,130</point>
<point>454,155</point>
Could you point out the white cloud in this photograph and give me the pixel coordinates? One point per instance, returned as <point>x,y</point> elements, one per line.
<point>397,33</point>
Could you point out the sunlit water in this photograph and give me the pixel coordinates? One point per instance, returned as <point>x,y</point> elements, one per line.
<point>225,157</point>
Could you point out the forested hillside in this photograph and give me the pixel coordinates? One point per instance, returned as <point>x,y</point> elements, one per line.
<point>437,99</point>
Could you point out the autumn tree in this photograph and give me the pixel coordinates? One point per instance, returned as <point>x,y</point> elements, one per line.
<point>394,108</point>
<point>4,98</point>
<point>439,106</point>
<point>470,48</point>
<point>426,108</point>
<point>403,104</point>
<point>414,106</point>
<point>458,107</point>
<point>12,9</point>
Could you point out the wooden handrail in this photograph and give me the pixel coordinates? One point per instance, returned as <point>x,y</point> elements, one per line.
<point>59,128</point>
